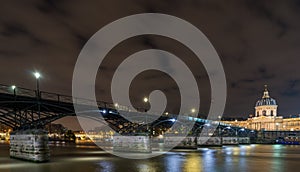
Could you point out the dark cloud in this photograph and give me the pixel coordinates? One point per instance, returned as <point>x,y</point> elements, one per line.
<point>51,6</point>
<point>258,43</point>
<point>263,9</point>
<point>11,29</point>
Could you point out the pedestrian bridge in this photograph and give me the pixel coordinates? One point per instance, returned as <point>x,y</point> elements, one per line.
<point>22,108</point>
<point>27,112</point>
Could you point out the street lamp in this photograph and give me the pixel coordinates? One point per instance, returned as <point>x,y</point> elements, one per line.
<point>145,99</point>
<point>116,105</point>
<point>13,87</point>
<point>193,110</point>
<point>37,77</point>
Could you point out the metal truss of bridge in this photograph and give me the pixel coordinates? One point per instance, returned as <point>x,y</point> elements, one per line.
<point>22,108</point>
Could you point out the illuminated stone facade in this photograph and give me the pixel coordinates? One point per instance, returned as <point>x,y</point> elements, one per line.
<point>265,117</point>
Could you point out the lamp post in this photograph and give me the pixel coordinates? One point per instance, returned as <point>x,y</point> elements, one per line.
<point>193,110</point>
<point>13,87</point>
<point>146,100</point>
<point>37,77</point>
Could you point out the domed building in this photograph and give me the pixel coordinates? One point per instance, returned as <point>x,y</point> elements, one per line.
<point>265,117</point>
<point>266,106</point>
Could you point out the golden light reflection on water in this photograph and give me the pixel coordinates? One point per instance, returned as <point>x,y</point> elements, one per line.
<point>193,163</point>
<point>242,150</point>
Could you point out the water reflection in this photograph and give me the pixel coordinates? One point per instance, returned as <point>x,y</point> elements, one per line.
<point>173,162</point>
<point>229,158</point>
<point>193,162</point>
<point>209,160</point>
<point>106,166</point>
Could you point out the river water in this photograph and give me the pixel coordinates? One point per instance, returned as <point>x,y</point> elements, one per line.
<point>75,158</point>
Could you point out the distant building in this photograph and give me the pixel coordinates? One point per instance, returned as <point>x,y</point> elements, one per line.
<point>266,118</point>
<point>4,132</point>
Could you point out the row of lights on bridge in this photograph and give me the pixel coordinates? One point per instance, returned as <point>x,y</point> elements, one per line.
<point>37,76</point>
<point>146,100</point>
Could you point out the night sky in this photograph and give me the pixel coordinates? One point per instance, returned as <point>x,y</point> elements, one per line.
<point>258,43</point>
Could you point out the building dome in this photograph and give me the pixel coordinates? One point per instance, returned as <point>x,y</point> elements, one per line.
<point>266,106</point>
<point>266,99</point>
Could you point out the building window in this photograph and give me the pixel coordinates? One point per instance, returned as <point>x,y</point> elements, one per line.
<point>271,112</point>
<point>264,113</point>
<point>257,113</point>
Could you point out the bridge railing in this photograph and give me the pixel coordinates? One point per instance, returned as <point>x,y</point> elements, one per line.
<point>82,101</point>
<point>69,99</point>
<point>26,92</point>
<point>18,91</point>
<point>6,90</point>
<point>56,97</point>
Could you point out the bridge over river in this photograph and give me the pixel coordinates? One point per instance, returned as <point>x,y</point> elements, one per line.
<point>27,112</point>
